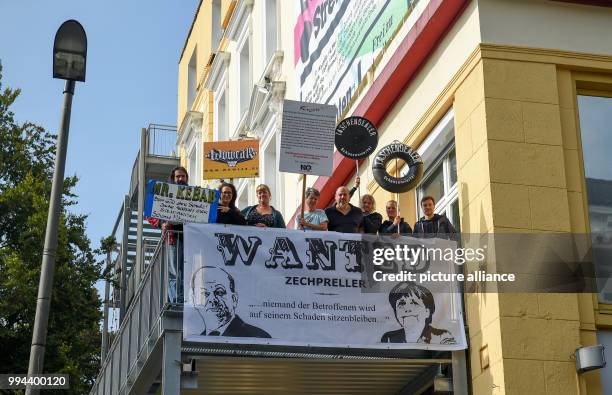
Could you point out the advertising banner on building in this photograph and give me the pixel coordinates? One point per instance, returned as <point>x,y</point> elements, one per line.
<point>307,138</point>
<point>336,42</point>
<point>286,287</point>
<point>181,203</point>
<point>231,159</point>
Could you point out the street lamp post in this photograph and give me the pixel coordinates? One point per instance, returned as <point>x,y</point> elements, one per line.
<point>69,60</point>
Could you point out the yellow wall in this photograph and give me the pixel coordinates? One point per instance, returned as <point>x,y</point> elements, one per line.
<point>199,40</point>
<point>520,170</point>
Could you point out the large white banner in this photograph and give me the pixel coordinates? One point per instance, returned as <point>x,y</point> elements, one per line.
<point>336,42</point>
<point>288,287</point>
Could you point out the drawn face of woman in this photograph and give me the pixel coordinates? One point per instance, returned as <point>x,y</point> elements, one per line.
<point>410,312</point>
<point>226,196</point>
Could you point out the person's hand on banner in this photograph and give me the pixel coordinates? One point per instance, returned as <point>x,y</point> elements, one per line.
<point>357,182</point>
<point>260,225</point>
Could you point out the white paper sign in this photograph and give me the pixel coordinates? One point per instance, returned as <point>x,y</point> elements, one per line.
<point>288,287</point>
<point>307,138</point>
<point>181,203</point>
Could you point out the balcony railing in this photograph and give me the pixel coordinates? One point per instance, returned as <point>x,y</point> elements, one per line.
<point>161,140</point>
<point>141,327</point>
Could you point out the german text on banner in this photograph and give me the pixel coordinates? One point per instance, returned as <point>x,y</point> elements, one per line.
<point>181,203</point>
<point>293,288</point>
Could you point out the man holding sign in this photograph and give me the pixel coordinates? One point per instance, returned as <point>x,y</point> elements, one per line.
<point>179,176</point>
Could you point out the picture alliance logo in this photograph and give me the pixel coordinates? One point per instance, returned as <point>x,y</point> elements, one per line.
<point>232,158</point>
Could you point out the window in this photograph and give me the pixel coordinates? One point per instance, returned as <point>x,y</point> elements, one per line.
<point>440,181</point>
<point>596,136</point>
<point>216,24</point>
<point>192,83</point>
<point>245,78</point>
<point>271,28</point>
<point>270,166</point>
<point>220,115</point>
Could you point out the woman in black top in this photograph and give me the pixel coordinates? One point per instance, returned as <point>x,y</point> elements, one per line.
<point>371,219</point>
<point>228,213</point>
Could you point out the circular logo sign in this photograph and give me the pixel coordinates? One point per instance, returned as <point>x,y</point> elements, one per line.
<point>356,137</point>
<point>397,184</point>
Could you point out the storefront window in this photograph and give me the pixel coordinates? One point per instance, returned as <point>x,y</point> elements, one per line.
<point>441,182</point>
<point>434,185</point>
<point>596,136</point>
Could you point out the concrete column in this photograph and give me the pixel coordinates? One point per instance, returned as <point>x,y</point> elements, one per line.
<point>171,368</point>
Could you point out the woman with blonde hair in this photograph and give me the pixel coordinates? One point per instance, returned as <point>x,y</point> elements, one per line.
<point>263,214</point>
<point>371,219</point>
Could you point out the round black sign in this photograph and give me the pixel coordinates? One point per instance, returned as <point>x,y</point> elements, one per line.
<point>356,137</point>
<point>397,184</point>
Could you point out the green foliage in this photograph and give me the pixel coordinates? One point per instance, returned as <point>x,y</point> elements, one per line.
<point>73,342</point>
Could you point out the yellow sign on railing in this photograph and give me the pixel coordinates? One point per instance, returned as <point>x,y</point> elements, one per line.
<point>231,159</point>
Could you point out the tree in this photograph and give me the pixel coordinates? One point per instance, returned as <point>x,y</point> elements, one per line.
<point>27,154</point>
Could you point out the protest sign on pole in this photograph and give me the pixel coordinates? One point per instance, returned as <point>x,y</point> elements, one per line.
<point>245,285</point>
<point>231,159</point>
<point>181,203</point>
<point>307,138</point>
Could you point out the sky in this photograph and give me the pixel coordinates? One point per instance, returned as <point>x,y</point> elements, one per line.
<point>132,71</point>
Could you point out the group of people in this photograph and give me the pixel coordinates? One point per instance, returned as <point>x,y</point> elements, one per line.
<point>341,216</point>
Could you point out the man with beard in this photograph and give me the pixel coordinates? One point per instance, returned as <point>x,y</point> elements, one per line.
<point>414,307</point>
<point>215,299</point>
<point>343,216</point>
<point>174,242</point>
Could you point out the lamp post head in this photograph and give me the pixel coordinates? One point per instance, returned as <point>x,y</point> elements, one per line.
<point>70,52</point>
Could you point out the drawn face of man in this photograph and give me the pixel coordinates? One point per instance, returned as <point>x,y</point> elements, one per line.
<point>410,311</point>
<point>219,300</point>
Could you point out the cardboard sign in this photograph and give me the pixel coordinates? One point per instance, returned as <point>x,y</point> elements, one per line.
<point>231,159</point>
<point>307,138</point>
<point>181,203</point>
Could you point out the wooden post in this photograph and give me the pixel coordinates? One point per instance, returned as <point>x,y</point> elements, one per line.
<point>357,175</point>
<point>303,195</point>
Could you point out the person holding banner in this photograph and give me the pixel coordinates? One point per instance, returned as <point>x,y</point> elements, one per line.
<point>314,218</point>
<point>433,225</point>
<point>228,213</point>
<point>395,223</point>
<point>371,219</point>
<point>343,216</point>
<point>263,214</point>
<point>414,306</point>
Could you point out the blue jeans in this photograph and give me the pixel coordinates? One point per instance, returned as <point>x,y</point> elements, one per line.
<point>175,272</point>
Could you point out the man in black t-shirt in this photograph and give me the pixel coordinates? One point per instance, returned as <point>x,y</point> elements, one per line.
<point>343,216</point>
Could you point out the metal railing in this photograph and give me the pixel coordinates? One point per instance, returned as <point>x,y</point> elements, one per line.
<point>161,140</point>
<point>140,328</point>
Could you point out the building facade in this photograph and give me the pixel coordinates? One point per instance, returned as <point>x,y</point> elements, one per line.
<point>507,102</point>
